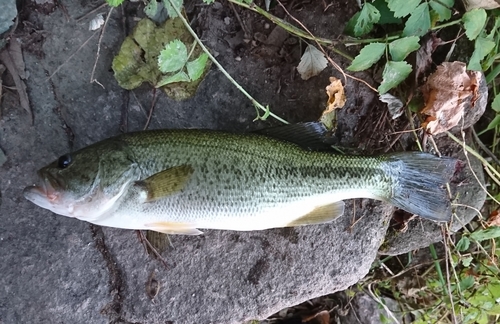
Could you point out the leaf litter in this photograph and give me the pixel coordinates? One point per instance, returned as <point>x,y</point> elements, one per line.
<point>336,100</point>
<point>313,61</point>
<point>446,93</point>
<point>12,59</point>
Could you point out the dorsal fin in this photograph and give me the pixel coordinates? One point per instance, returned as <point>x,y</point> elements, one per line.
<point>310,135</point>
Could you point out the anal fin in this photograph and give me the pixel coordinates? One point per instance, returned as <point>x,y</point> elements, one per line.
<point>173,228</point>
<point>320,215</point>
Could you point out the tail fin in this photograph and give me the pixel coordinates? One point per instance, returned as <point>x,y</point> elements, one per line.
<point>420,184</point>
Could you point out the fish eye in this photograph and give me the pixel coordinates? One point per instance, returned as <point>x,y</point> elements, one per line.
<point>64,161</point>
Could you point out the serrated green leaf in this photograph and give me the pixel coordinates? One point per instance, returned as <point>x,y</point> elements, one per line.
<point>463,244</point>
<point>402,8</point>
<point>171,12</point>
<point>495,105</point>
<point>467,261</point>
<point>442,8</point>
<point>394,73</point>
<point>173,57</point>
<point>180,76</point>
<point>349,27</point>
<point>419,22</point>
<point>368,16</point>
<point>386,15</point>
<point>151,9</point>
<point>114,3</point>
<point>400,48</point>
<point>482,47</point>
<point>196,67</point>
<point>474,22</point>
<point>368,55</point>
<point>486,234</point>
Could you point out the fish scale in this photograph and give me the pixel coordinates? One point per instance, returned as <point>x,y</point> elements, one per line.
<point>176,181</point>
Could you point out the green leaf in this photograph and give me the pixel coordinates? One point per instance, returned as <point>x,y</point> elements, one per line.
<point>386,15</point>
<point>400,48</point>
<point>482,47</point>
<point>442,8</point>
<point>368,16</point>
<point>151,9</point>
<point>349,28</point>
<point>178,77</point>
<point>195,68</point>
<point>493,124</point>
<point>208,1</point>
<point>171,12</point>
<point>463,244</point>
<point>114,3</point>
<point>486,234</point>
<point>368,55</point>
<point>466,283</point>
<point>467,261</point>
<point>419,22</point>
<point>474,22</point>
<point>394,73</point>
<point>495,105</point>
<point>173,57</point>
<point>402,8</point>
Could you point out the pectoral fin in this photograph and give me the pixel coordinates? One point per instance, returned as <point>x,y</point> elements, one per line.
<point>320,215</point>
<point>164,183</point>
<point>173,228</point>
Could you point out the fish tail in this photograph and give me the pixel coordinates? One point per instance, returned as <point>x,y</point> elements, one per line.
<point>419,184</point>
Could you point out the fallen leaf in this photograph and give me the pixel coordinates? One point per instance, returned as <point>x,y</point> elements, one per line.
<point>137,61</point>
<point>16,54</point>
<point>393,104</point>
<point>493,220</point>
<point>485,4</point>
<point>445,94</point>
<point>424,56</point>
<point>336,100</point>
<point>97,22</point>
<point>19,83</point>
<point>313,61</point>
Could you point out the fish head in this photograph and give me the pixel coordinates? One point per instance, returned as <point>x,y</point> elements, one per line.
<point>85,184</point>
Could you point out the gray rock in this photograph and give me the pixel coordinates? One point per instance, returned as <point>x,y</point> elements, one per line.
<point>7,15</point>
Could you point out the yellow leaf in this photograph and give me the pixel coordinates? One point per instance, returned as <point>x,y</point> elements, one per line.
<point>336,100</point>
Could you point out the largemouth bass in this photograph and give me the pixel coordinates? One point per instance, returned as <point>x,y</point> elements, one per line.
<point>177,181</point>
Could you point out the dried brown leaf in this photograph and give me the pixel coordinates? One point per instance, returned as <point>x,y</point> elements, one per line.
<point>446,93</point>
<point>336,100</point>
<point>20,85</point>
<point>485,4</point>
<point>16,54</point>
<point>494,219</point>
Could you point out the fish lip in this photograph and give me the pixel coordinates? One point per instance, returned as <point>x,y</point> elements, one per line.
<point>45,188</point>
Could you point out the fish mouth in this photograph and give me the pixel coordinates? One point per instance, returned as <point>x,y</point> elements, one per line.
<point>46,192</point>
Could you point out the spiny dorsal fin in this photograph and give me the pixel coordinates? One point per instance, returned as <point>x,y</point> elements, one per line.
<point>320,215</point>
<point>311,135</point>
<point>164,183</point>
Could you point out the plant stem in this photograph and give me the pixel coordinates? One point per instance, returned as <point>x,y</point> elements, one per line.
<point>449,23</point>
<point>221,68</point>
<point>437,266</point>
<point>353,41</point>
<point>291,28</point>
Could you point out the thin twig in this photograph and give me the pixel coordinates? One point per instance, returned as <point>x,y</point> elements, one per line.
<point>221,68</point>
<point>153,104</point>
<point>335,65</point>
<point>92,79</point>
<point>152,248</point>
<point>91,12</point>
<point>71,56</point>
<point>447,266</point>
<point>483,147</point>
